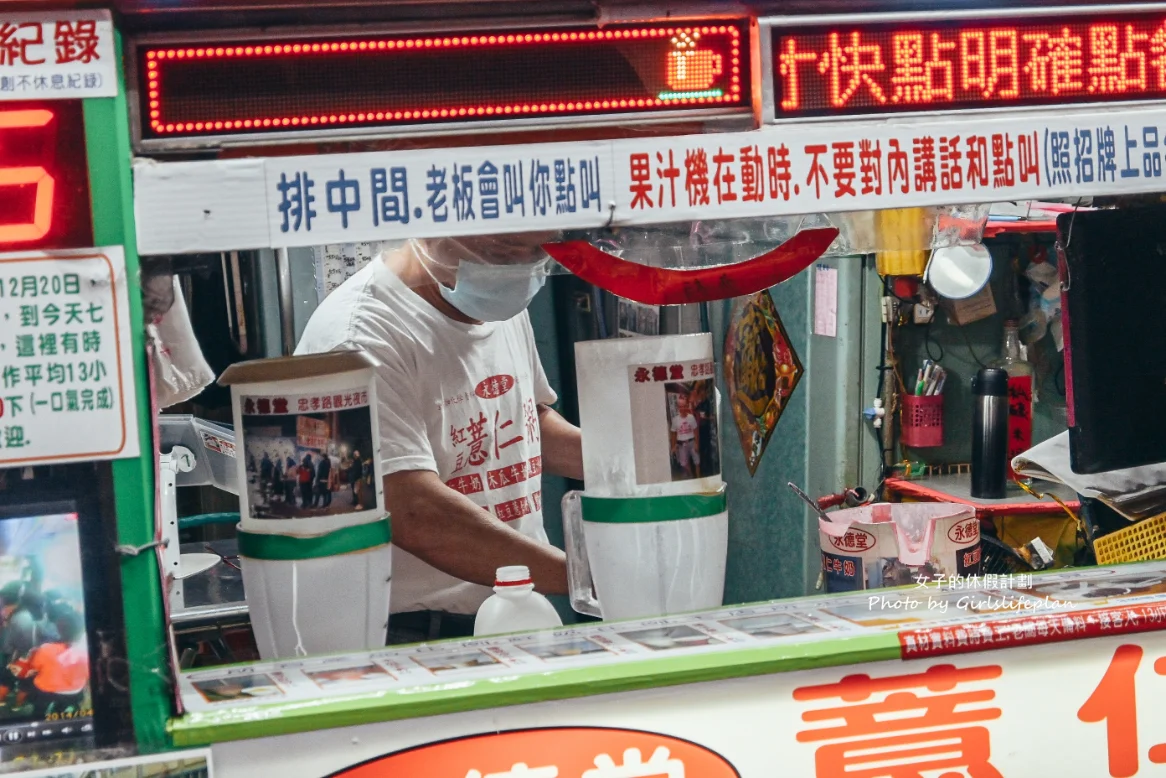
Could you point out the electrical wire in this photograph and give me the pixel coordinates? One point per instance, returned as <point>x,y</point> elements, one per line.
<point>972,351</point>
<point>929,339</point>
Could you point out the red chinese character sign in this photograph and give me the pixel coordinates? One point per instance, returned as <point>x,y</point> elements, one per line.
<point>927,65</point>
<point>57,55</point>
<point>761,372</point>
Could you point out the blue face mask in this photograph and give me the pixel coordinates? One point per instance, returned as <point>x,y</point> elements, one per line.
<point>495,292</point>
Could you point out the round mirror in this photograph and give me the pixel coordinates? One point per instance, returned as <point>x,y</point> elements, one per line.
<point>958,272</point>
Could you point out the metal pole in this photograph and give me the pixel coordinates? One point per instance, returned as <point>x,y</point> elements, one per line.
<point>287,322</point>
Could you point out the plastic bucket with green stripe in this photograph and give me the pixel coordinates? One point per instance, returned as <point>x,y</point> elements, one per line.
<point>637,557</point>
<point>318,594</point>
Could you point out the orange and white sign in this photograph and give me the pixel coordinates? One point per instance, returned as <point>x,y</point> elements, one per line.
<point>1087,708</point>
<point>66,364</point>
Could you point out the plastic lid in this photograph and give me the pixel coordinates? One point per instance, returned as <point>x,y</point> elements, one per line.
<point>990,381</point>
<point>515,575</point>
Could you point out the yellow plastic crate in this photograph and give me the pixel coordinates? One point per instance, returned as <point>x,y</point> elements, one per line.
<point>1143,541</point>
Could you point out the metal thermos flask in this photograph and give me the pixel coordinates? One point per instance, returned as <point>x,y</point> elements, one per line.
<point>989,433</point>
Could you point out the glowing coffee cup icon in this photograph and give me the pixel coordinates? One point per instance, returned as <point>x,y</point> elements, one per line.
<point>691,69</point>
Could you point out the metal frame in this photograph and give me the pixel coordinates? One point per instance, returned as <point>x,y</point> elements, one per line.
<point>767,24</point>
<point>236,140</point>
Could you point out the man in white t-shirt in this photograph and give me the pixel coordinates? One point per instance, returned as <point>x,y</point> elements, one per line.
<point>466,427</point>
<point>685,441</point>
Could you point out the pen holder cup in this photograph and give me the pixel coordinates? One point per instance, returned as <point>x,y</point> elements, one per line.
<point>922,421</point>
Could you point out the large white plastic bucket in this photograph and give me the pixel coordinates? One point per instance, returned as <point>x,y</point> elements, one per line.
<point>318,595</point>
<point>646,556</point>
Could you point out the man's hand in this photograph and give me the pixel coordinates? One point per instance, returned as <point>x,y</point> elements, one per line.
<point>562,444</point>
<point>445,529</point>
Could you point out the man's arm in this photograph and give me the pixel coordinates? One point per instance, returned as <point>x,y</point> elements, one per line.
<point>562,444</point>
<point>448,531</point>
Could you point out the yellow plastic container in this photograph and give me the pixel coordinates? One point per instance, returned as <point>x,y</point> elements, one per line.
<point>1142,542</point>
<point>904,235</point>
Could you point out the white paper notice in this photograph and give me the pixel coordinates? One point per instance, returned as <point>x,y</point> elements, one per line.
<point>826,301</point>
<point>59,55</point>
<point>66,364</point>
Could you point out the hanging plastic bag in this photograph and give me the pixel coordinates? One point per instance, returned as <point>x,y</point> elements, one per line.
<point>180,370</point>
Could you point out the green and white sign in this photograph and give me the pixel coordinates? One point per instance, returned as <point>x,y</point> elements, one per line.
<point>66,369</point>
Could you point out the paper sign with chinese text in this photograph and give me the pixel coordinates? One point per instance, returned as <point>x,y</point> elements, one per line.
<point>57,55</point>
<point>66,363</point>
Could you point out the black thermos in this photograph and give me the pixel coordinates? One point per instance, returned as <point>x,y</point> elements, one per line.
<point>989,433</point>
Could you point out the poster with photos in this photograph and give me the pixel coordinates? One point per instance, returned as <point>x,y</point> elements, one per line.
<point>637,319</point>
<point>309,455</point>
<point>674,422</point>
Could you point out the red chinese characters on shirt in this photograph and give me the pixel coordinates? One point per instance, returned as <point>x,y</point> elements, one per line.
<point>903,726</point>
<point>484,442</point>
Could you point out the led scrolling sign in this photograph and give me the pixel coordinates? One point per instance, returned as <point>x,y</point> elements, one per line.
<point>899,67</point>
<point>280,85</point>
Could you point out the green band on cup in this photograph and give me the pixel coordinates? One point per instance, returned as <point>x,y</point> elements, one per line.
<point>347,540</point>
<point>645,510</point>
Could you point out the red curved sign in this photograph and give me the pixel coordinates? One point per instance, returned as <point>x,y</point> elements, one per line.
<point>494,386</point>
<point>855,539</point>
<point>574,752</point>
<point>964,531</point>
<point>660,286</point>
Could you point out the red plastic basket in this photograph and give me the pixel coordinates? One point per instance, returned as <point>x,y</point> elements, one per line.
<point>922,421</point>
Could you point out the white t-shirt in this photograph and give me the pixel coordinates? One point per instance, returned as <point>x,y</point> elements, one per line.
<point>458,399</point>
<point>684,426</point>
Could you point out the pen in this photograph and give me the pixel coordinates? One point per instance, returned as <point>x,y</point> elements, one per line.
<point>939,386</point>
<point>919,382</point>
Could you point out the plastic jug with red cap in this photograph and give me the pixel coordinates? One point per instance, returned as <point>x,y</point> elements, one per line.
<point>515,606</point>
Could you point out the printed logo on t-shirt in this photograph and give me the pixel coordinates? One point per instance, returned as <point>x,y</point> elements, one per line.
<point>684,427</point>
<point>494,386</point>
<point>492,462</point>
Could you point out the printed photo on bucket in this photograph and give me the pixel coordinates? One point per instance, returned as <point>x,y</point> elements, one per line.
<point>692,428</point>
<point>306,464</point>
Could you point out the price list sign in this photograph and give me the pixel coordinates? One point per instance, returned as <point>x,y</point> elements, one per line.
<point>66,370</point>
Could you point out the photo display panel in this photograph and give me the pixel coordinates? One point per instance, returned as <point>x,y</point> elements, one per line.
<point>910,66</point>
<point>278,85</point>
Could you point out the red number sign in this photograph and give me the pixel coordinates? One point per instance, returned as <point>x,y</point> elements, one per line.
<point>44,182</point>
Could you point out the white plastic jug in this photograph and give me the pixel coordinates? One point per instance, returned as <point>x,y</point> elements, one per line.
<point>515,606</point>
<point>638,557</point>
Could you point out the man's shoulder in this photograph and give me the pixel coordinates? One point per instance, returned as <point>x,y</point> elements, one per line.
<point>359,317</point>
